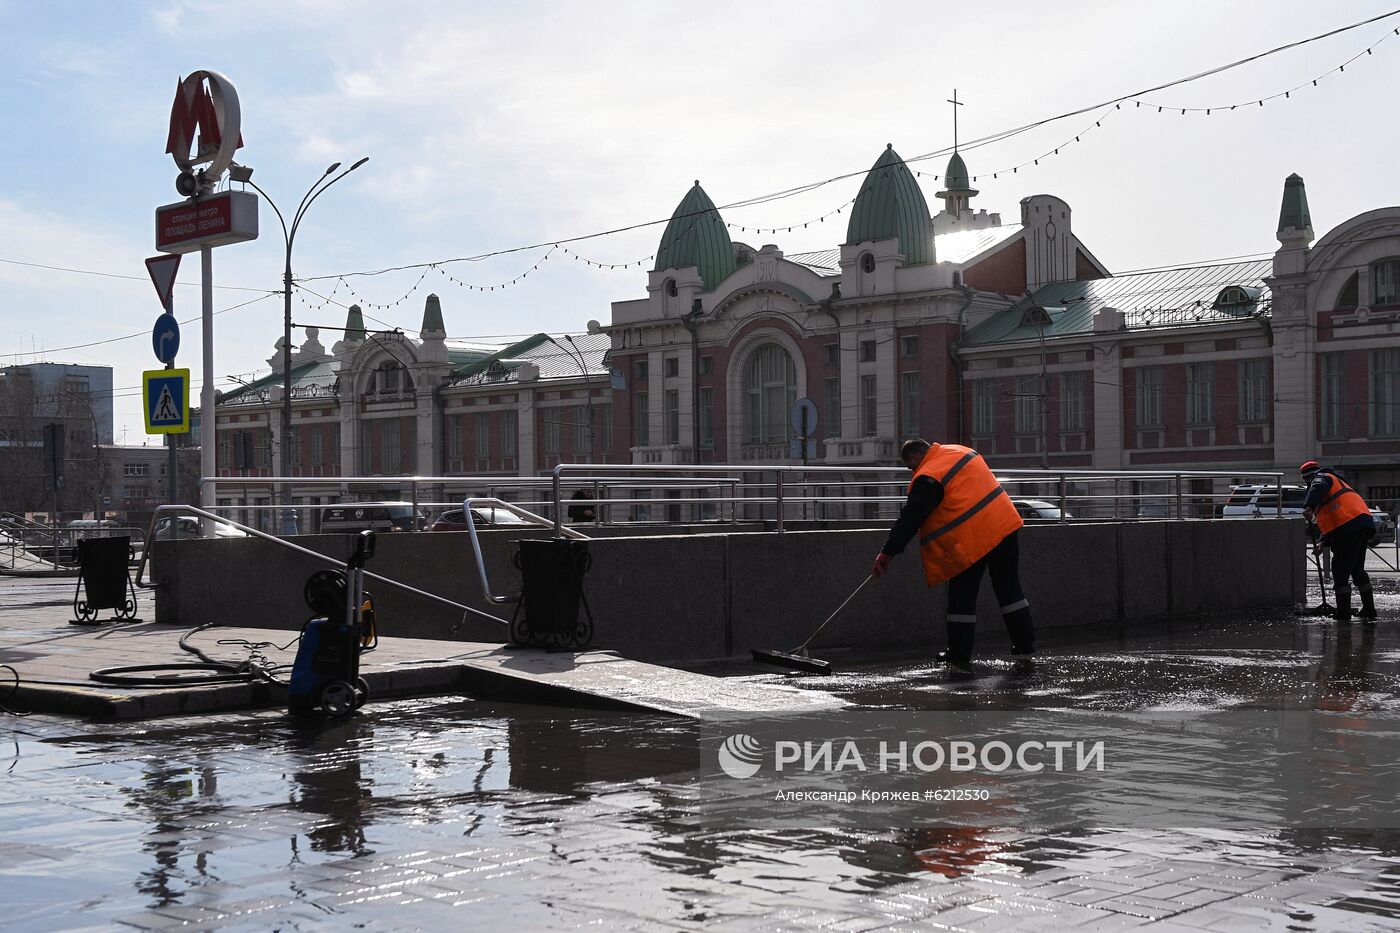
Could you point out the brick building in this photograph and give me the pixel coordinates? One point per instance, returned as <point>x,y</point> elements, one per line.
<point>1012,337</point>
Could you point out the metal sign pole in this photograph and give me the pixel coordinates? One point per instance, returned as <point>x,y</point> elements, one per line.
<point>208,435</point>
<point>172,485</point>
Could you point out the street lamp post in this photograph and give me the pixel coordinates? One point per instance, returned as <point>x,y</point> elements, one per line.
<point>289,234</point>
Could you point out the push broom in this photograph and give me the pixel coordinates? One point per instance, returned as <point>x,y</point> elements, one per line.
<point>799,659</point>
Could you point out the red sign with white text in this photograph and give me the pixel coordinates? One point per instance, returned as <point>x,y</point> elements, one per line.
<point>230,217</point>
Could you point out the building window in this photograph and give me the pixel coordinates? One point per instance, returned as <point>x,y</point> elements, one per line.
<point>1072,402</point>
<point>671,366</point>
<point>1333,378</point>
<point>132,469</point>
<point>391,378</point>
<point>642,423</point>
<point>583,443</point>
<point>770,388</point>
<point>509,430</point>
<point>833,407</point>
<point>1349,296</point>
<point>833,354</point>
<point>335,448</point>
<point>868,406</point>
<point>456,441</point>
<point>389,449</point>
<point>1149,397</point>
<point>318,445</point>
<point>1200,393</point>
<point>909,346</point>
<point>984,407</point>
<point>867,351</point>
<point>909,404</point>
<point>483,437</point>
<point>706,365</point>
<point>1030,405</point>
<point>707,424</point>
<point>605,425</point>
<point>1385,282</point>
<point>867,263</point>
<point>1254,390</point>
<point>1385,392</point>
<point>641,369</point>
<point>673,416</point>
<point>550,418</point>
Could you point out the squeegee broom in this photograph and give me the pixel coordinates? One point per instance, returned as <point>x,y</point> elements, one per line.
<point>798,659</point>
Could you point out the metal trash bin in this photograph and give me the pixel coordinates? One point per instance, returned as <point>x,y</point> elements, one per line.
<point>104,580</point>
<point>551,572</point>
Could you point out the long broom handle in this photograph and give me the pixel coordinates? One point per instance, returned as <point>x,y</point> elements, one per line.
<point>804,645</point>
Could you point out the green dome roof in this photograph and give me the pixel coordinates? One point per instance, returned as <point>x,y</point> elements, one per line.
<point>697,236</point>
<point>955,178</point>
<point>890,204</point>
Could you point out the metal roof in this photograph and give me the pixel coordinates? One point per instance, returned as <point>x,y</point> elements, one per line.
<point>697,236</point>
<point>822,262</point>
<point>965,245</point>
<point>891,204</point>
<point>1162,298</point>
<point>958,247</point>
<point>566,357</point>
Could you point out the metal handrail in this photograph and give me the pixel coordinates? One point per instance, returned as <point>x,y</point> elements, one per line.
<point>476,544</point>
<point>771,492</point>
<point>307,552</point>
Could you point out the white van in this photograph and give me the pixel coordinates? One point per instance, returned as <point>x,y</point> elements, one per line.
<point>1262,501</point>
<point>374,516</point>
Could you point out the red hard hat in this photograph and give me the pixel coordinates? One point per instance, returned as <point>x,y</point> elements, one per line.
<point>1312,466</point>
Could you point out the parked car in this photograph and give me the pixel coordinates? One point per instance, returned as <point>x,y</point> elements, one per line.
<point>1262,501</point>
<point>455,520</point>
<point>187,526</point>
<point>1036,510</point>
<point>377,516</point>
<point>1385,526</point>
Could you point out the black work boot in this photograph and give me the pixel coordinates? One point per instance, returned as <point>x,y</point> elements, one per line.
<point>959,653</point>
<point>1343,611</point>
<point>1368,605</point>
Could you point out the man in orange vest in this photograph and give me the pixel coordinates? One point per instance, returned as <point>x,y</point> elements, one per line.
<point>966,524</point>
<point>1346,525</point>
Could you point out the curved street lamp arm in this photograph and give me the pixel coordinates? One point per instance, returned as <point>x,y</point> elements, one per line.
<point>272,204</point>
<point>316,191</point>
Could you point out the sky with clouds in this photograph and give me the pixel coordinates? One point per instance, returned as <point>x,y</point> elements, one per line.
<point>494,126</point>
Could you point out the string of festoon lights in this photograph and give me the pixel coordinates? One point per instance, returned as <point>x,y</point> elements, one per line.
<point>441,268</point>
<point>1285,94</point>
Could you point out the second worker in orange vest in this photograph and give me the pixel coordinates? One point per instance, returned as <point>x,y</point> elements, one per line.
<point>1346,525</point>
<point>966,524</point>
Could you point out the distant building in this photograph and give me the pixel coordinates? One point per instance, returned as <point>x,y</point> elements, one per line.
<point>33,396</point>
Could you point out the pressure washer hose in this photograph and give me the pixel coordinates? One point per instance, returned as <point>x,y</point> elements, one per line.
<point>209,671</point>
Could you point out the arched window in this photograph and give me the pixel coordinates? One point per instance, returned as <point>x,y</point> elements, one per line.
<point>1349,296</point>
<point>867,263</point>
<point>390,378</point>
<point>770,388</point>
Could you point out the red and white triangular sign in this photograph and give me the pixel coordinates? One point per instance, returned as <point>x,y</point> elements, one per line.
<point>162,269</point>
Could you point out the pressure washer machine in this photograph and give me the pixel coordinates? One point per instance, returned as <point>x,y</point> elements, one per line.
<point>326,673</point>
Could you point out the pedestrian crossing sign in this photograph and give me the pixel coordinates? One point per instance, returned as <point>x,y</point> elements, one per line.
<point>166,393</point>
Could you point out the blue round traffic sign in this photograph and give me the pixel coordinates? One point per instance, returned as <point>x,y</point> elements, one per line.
<point>165,338</point>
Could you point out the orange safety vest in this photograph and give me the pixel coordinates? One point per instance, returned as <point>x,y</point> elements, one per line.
<point>974,516</point>
<point>1340,506</point>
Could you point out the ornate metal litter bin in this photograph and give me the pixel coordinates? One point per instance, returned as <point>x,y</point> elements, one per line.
<point>551,593</point>
<point>105,580</point>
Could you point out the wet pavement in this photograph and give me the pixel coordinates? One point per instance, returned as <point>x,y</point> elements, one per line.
<point>450,811</point>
